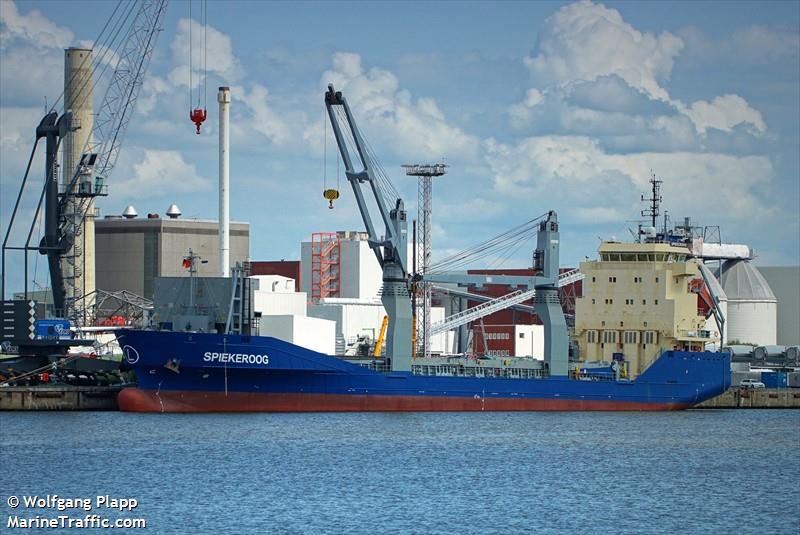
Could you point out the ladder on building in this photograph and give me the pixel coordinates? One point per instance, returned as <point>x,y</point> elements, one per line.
<point>482,310</point>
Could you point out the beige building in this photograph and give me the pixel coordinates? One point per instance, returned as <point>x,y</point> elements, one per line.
<point>131,253</point>
<point>637,300</point>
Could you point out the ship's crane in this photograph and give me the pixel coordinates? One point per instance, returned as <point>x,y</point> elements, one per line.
<point>543,287</point>
<point>391,249</point>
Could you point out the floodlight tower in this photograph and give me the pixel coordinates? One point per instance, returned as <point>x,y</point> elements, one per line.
<point>425,174</point>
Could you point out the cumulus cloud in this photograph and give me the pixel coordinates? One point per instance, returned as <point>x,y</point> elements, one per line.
<point>583,41</point>
<point>280,127</point>
<point>159,173</point>
<point>33,28</point>
<point>23,37</point>
<point>415,128</point>
<point>724,113</point>
<point>220,62</point>
<point>588,59</point>
<point>578,172</point>
<point>220,59</point>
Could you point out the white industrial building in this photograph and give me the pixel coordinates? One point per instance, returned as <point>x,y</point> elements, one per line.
<point>359,274</point>
<point>283,315</point>
<point>356,318</point>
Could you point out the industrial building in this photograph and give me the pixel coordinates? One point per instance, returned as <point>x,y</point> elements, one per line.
<point>132,251</point>
<point>340,264</point>
<point>285,268</point>
<point>785,284</point>
<point>284,315</point>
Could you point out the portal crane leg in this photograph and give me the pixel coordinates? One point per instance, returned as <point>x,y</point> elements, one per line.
<point>396,300</point>
<point>547,305</point>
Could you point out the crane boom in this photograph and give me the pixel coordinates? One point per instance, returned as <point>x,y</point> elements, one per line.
<point>394,240</point>
<point>391,249</point>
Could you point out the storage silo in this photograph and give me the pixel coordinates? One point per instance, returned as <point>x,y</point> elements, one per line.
<point>752,307</point>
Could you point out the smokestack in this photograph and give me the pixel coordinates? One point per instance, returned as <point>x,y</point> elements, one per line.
<point>78,264</point>
<point>224,100</point>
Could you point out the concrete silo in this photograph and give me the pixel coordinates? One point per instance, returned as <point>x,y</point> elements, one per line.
<point>752,307</point>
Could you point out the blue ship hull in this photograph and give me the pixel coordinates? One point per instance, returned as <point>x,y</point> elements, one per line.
<point>203,372</point>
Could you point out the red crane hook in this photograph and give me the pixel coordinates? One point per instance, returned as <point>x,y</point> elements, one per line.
<point>197,115</point>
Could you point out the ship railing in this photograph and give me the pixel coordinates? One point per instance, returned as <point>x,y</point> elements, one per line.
<point>481,371</point>
<point>376,365</point>
<point>592,377</point>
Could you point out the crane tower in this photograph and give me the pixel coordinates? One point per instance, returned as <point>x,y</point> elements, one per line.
<point>425,174</point>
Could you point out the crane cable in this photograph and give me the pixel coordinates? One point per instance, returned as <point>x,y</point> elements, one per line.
<point>507,242</point>
<point>107,46</point>
<point>328,194</point>
<point>198,113</point>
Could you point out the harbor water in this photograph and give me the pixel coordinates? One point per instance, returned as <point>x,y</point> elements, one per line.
<point>697,471</point>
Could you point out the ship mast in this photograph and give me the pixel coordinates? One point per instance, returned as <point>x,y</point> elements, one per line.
<point>655,200</point>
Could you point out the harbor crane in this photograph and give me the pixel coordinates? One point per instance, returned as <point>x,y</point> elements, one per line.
<point>367,178</point>
<point>131,38</point>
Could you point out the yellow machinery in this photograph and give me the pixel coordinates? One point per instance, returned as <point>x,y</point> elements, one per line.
<point>381,336</point>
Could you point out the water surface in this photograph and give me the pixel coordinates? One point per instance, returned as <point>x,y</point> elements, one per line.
<point>714,471</point>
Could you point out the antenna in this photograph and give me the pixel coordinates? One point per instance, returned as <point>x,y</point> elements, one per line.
<point>654,200</point>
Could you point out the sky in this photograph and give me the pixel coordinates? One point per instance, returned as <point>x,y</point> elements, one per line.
<point>535,106</point>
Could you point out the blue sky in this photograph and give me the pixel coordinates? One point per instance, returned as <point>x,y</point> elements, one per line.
<point>534,105</point>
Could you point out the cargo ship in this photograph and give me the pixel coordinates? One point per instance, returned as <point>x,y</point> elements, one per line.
<point>208,372</point>
<point>201,360</point>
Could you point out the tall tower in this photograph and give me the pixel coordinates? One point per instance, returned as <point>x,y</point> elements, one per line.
<point>425,174</point>
<point>78,263</point>
<point>224,100</point>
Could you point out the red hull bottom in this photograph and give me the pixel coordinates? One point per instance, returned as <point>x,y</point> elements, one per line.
<point>137,400</point>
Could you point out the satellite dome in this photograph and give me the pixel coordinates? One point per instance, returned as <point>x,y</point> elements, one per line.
<point>173,212</point>
<point>129,212</point>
